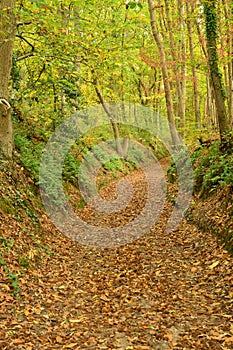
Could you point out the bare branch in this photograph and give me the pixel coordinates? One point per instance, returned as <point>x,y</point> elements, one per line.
<point>26,41</point>
<point>23,23</point>
<point>30,54</point>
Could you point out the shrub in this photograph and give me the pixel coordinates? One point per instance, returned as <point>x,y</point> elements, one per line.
<point>212,169</point>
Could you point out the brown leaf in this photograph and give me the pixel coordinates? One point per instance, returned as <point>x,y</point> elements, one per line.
<point>78,320</point>
<point>70,346</point>
<point>229,340</point>
<point>212,266</point>
<point>59,339</point>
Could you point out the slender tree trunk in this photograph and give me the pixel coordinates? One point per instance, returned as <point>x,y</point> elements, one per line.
<point>201,39</point>
<point>7,33</point>
<point>176,70</point>
<point>167,89</point>
<point>211,37</point>
<point>183,69</point>
<point>121,149</point>
<point>210,110</point>
<point>194,72</point>
<point>157,100</point>
<point>228,45</point>
<point>230,82</point>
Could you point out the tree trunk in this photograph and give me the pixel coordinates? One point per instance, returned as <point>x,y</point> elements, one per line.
<point>7,33</point>
<point>176,69</point>
<point>194,72</point>
<point>167,89</point>
<point>228,45</point>
<point>210,110</point>
<point>183,58</point>
<point>211,37</point>
<point>121,148</point>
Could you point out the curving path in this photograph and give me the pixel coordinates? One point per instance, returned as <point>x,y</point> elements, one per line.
<point>162,291</point>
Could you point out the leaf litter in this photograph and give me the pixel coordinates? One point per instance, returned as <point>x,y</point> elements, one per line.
<point>162,291</point>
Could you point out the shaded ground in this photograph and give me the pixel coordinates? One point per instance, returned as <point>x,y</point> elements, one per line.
<point>163,291</point>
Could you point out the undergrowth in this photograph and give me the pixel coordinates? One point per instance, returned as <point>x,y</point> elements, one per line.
<point>212,169</point>
<point>213,180</point>
<point>30,143</point>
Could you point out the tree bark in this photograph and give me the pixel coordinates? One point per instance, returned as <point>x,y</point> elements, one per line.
<point>228,45</point>
<point>194,72</point>
<point>7,34</point>
<point>210,107</point>
<point>183,58</point>
<point>121,149</point>
<point>167,89</point>
<point>177,72</point>
<point>211,37</point>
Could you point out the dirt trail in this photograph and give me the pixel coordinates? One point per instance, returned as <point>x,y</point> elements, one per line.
<point>162,291</point>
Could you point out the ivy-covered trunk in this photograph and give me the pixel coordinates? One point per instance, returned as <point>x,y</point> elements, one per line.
<point>211,22</point>
<point>7,33</point>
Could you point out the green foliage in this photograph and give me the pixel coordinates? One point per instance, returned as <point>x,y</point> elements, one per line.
<point>181,169</point>
<point>23,261</point>
<point>14,283</point>
<point>5,242</point>
<point>30,153</point>
<point>120,165</point>
<point>30,142</point>
<point>6,206</point>
<point>211,22</point>
<point>211,18</point>
<point>213,168</point>
<point>172,173</point>
<point>135,5</point>
<point>147,139</point>
<point>71,169</point>
<point>227,143</point>
<point>228,237</point>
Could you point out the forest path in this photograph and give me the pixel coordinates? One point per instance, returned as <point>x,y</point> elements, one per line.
<point>162,291</point>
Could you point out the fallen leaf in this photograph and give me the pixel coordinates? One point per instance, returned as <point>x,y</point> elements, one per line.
<point>169,336</point>
<point>59,339</point>
<point>229,340</point>
<point>70,346</point>
<point>104,298</point>
<point>212,266</point>
<point>78,320</point>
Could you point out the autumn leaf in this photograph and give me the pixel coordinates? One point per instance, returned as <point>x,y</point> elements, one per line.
<point>59,339</point>
<point>78,320</point>
<point>69,346</point>
<point>212,266</point>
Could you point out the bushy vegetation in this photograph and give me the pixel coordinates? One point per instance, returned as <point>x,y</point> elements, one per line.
<point>213,168</point>
<point>30,142</point>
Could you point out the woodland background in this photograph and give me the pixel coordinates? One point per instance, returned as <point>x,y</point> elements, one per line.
<point>162,292</point>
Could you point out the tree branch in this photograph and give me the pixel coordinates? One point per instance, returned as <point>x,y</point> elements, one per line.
<point>30,54</point>
<point>23,23</point>
<point>42,70</point>
<point>26,41</point>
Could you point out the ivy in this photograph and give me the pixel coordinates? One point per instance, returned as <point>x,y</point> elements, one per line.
<point>211,31</point>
